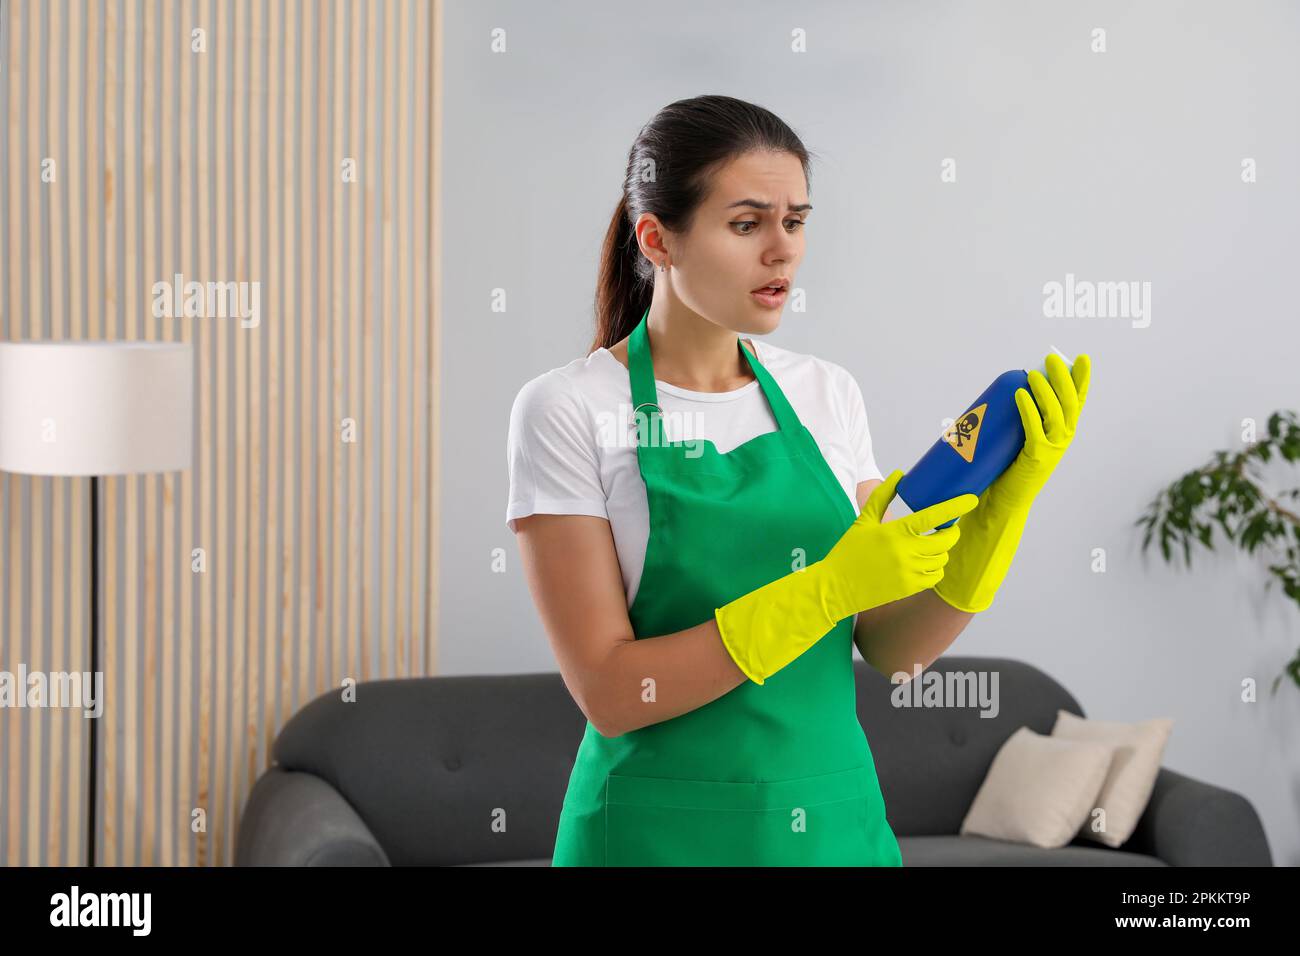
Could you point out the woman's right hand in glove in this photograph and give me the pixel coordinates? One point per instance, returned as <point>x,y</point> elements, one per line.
<point>872,563</point>
<point>876,562</point>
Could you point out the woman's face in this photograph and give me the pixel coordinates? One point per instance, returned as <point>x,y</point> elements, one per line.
<point>748,231</point>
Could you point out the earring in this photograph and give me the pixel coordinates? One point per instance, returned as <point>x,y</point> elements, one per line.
<point>663,267</point>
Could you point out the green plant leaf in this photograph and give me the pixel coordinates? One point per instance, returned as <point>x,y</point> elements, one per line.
<point>1239,505</point>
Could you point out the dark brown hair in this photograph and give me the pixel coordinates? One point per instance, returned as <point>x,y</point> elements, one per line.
<point>668,170</point>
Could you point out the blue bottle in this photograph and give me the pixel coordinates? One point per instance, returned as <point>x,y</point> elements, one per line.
<point>978,447</point>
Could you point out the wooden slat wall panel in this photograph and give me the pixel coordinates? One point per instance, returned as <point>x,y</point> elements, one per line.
<point>222,166</point>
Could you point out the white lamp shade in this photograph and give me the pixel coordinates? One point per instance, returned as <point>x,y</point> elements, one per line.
<point>96,408</point>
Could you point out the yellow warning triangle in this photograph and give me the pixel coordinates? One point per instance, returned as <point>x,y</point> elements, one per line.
<point>964,433</point>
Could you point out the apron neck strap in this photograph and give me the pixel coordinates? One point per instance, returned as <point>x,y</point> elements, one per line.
<point>645,397</point>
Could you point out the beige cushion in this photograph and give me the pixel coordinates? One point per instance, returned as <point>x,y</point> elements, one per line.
<point>1039,789</point>
<point>1132,776</point>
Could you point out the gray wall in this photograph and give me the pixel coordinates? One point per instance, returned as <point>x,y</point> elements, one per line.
<point>1119,166</point>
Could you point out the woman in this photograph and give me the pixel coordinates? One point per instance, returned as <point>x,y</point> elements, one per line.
<point>687,507</point>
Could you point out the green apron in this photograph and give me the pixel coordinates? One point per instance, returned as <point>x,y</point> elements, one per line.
<point>777,774</point>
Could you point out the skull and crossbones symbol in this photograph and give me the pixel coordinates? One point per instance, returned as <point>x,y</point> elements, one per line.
<point>965,428</point>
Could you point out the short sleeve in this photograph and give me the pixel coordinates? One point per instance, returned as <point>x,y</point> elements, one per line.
<point>551,453</point>
<point>859,433</point>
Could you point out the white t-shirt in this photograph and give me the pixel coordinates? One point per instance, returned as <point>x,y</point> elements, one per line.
<point>571,443</point>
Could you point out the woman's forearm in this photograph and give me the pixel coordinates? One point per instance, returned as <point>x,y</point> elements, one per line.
<point>642,682</point>
<point>905,634</point>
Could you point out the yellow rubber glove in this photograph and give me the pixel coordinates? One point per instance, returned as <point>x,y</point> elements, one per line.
<point>871,564</point>
<point>977,567</point>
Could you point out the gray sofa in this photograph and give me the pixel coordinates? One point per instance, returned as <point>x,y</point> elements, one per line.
<point>425,771</point>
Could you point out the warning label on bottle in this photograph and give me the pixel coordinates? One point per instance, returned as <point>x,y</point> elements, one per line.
<point>964,433</point>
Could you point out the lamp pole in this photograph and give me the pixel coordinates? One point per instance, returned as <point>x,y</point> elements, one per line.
<point>94,661</point>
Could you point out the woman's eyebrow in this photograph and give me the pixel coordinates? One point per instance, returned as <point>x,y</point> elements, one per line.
<point>802,207</point>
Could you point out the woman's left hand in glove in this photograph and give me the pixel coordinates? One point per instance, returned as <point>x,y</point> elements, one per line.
<point>978,562</point>
<point>1048,435</point>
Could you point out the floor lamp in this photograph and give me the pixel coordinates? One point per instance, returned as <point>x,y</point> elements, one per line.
<point>92,408</point>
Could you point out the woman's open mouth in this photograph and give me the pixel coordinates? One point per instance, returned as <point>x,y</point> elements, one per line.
<point>769,297</point>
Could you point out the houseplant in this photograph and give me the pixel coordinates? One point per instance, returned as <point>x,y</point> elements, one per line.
<point>1228,492</point>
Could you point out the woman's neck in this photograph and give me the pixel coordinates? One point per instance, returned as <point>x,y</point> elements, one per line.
<point>693,353</point>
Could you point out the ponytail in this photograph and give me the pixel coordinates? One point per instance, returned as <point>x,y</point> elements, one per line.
<point>626,281</point>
